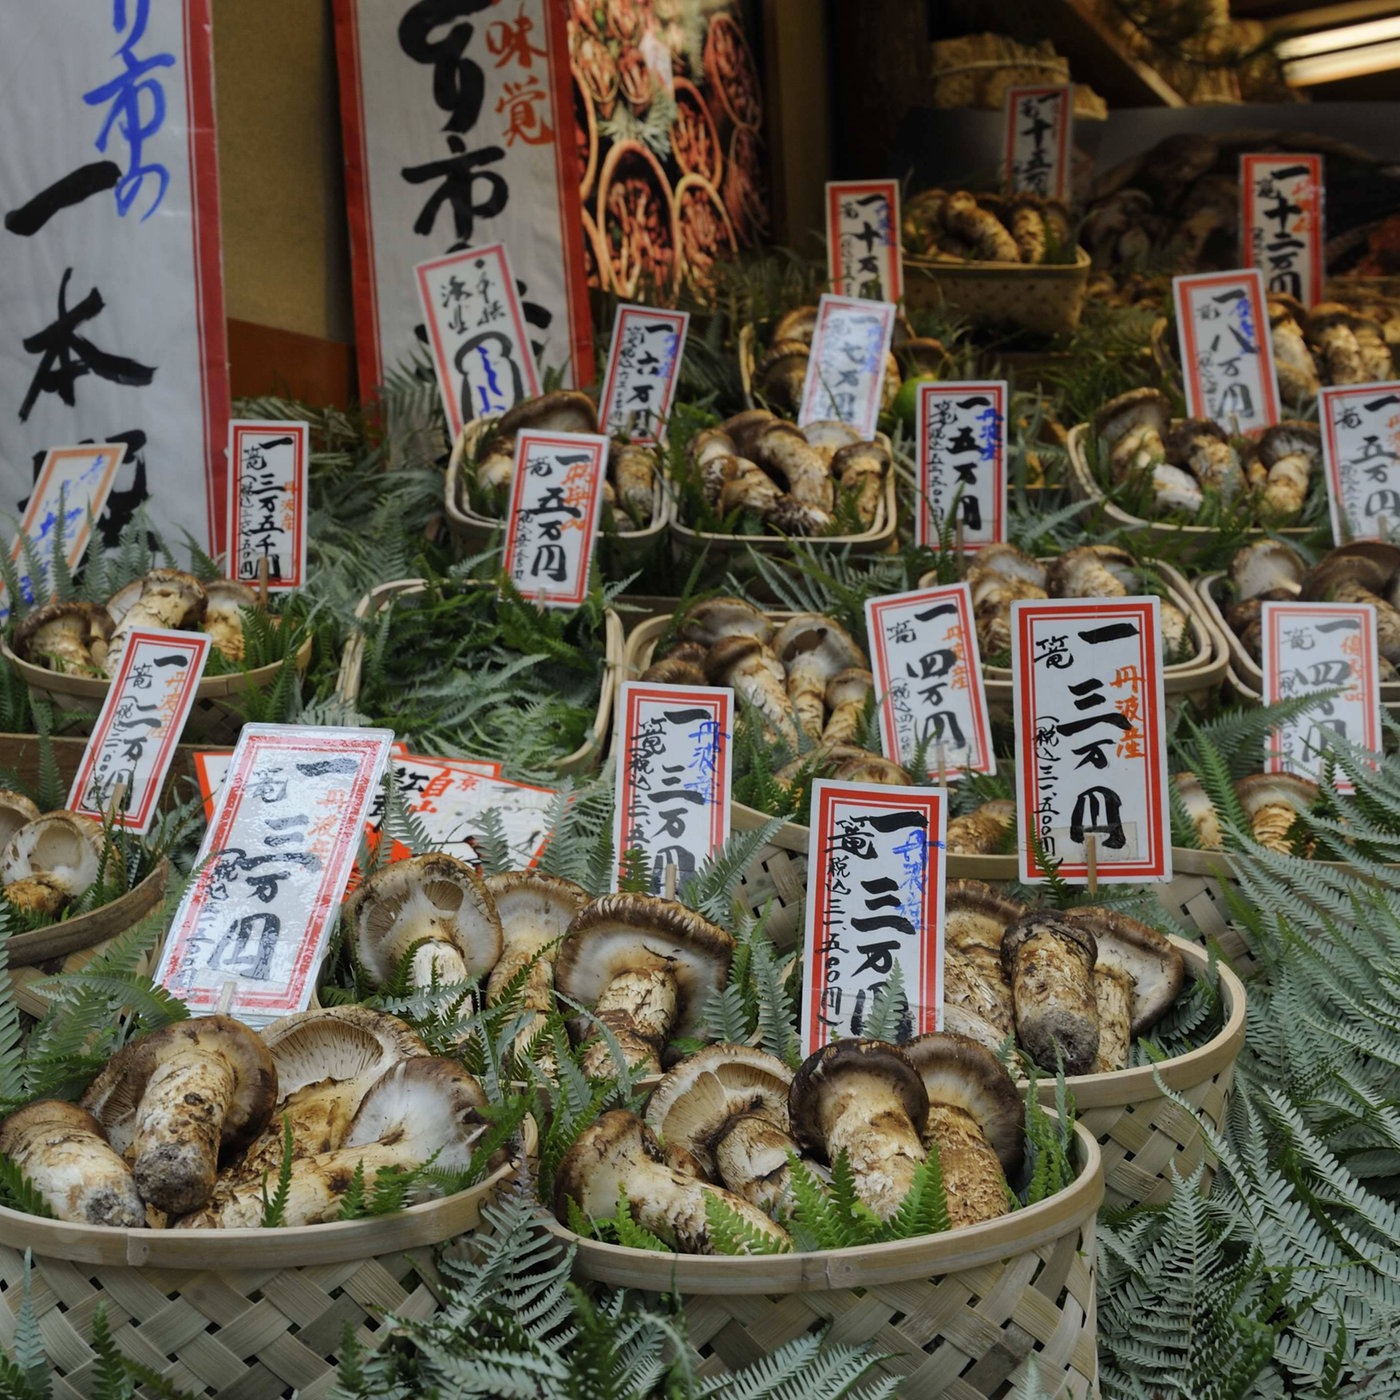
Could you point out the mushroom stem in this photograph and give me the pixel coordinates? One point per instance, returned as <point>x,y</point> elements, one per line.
<point>864,1119</point>
<point>639,1008</point>
<point>751,1157</point>
<point>1050,963</point>
<point>973,1180</point>
<point>1113,995</point>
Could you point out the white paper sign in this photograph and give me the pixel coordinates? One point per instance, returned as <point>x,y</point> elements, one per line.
<point>643,366</point>
<point>1281,229</point>
<point>1227,358</point>
<point>864,255</point>
<point>1361,452</point>
<point>272,869</point>
<point>874,901</point>
<point>846,366</point>
<point>267,502</point>
<point>673,777</point>
<point>960,446</point>
<point>1091,741</point>
<point>1312,647</point>
<point>110,291</point>
<point>1039,122</point>
<point>928,680</point>
<point>459,133</point>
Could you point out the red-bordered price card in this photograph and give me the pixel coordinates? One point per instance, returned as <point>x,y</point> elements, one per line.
<point>643,366</point>
<point>846,366</point>
<point>271,872</point>
<point>1227,358</point>
<point>1039,123</point>
<point>874,901</point>
<point>142,718</point>
<point>1281,229</point>
<point>928,681</point>
<point>1317,647</point>
<point>1091,745</point>
<point>555,496</point>
<point>1361,452</point>
<point>476,326</point>
<point>863,252</point>
<point>960,445</point>
<point>267,468</point>
<point>673,773</point>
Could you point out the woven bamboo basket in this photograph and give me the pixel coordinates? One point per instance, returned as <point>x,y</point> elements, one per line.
<point>584,759</point>
<point>1045,299</point>
<point>959,1315</point>
<point>235,1314</point>
<point>984,83</point>
<point>1196,895</point>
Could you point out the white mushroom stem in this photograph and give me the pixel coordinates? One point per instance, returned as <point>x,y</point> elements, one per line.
<point>751,1157</point>
<point>1113,995</point>
<point>639,1008</point>
<point>973,1181</point>
<point>864,1118</point>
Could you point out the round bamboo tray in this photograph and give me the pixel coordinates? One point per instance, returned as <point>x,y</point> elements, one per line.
<point>250,1313</point>
<point>1045,298</point>
<point>584,759</point>
<point>959,1314</point>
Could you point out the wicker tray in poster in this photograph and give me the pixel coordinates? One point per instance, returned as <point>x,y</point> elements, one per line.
<point>1045,299</point>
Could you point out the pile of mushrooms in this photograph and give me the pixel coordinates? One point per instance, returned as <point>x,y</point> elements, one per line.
<point>982,831</point>
<point>1271,802</point>
<point>47,860</point>
<point>955,226</point>
<point>1331,343</point>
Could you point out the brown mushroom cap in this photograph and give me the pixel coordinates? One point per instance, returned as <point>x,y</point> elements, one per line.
<point>977,900</point>
<point>1137,408</point>
<point>815,641</point>
<point>1256,790</point>
<point>1284,439</point>
<point>851,1070</point>
<point>717,618</point>
<point>959,1071</point>
<point>1370,563</point>
<point>90,621</point>
<point>1157,969</point>
<point>563,410</point>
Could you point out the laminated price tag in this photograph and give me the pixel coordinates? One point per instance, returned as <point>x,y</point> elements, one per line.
<point>476,326</point>
<point>960,446</point>
<point>673,763</point>
<point>643,366</point>
<point>1227,358</point>
<point>846,366</point>
<point>267,502</point>
<point>1315,647</point>
<point>1039,123</point>
<point>556,493</point>
<point>1091,744</point>
<point>1361,452</point>
<point>874,901</point>
<point>928,681</point>
<point>863,253</point>
<point>1281,222</point>
<point>271,871</point>
<point>142,718</point>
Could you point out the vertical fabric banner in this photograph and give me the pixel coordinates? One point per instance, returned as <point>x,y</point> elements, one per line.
<point>458,128</point>
<point>111,296</point>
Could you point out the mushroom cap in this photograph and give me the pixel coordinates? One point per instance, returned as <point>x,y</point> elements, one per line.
<point>64,847</point>
<point>1370,563</point>
<point>227,594</point>
<point>337,1043</point>
<point>745,427</point>
<point>620,933</point>
<point>1266,564</point>
<point>534,908</point>
<point>563,410</point>
<point>1148,957</point>
<point>1256,790</point>
<point>725,654</point>
<point>1284,439</point>
<point>114,1097</point>
<point>1136,408</point>
<point>1187,432</point>
<point>91,619</point>
<point>973,912</point>
<point>423,1105</point>
<point>798,324</point>
<point>1038,921</point>
<point>849,687</point>
<point>697,1099</point>
<point>1065,575</point>
<point>602,1157</point>
<point>860,1068</point>
<point>830,435</point>
<point>957,1070</point>
<point>186,593</point>
<point>16,810</point>
<point>819,643</point>
<point>1009,561</point>
<point>715,618</point>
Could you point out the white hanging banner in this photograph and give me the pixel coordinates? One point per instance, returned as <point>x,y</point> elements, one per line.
<point>1281,222</point>
<point>1361,451</point>
<point>863,252</point>
<point>458,131</point>
<point>110,277</point>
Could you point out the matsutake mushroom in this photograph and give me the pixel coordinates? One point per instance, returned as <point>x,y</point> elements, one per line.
<point>982,831</point>
<point>751,669</point>
<point>847,694</point>
<point>813,649</point>
<point>163,598</point>
<point>1204,449</point>
<point>1272,802</point>
<point>1294,366</point>
<point>1265,566</point>
<point>1201,810</point>
<point>1133,427</point>
<point>69,637</point>
<point>975,921</point>
<point>714,619</point>
<point>15,811</point>
<point>223,619</point>
<point>1050,965</point>
<point>51,861</point>
<point>1292,455</point>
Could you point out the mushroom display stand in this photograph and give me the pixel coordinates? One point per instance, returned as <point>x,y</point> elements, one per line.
<point>959,1314</point>
<point>1045,299</point>
<point>244,1312</point>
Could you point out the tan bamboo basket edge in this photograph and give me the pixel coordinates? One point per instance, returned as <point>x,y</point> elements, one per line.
<point>1044,298</point>
<point>69,935</point>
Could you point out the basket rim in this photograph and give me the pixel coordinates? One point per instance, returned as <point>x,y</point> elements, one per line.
<point>978,271</point>
<point>72,935</point>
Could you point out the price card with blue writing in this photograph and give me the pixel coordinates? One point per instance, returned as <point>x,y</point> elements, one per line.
<point>643,366</point>
<point>846,366</point>
<point>476,327</point>
<point>673,773</point>
<point>255,919</point>
<point>875,874</point>
<point>267,464</point>
<point>960,446</point>
<point>1281,222</point>
<point>864,257</point>
<point>928,681</point>
<point>1091,745</point>
<point>555,496</point>
<point>1361,453</point>
<point>134,738</point>
<point>1222,325</point>
<point>1039,123</point>
<point>1316,648</point>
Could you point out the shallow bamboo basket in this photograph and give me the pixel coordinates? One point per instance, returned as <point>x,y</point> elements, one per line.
<point>584,759</point>
<point>1044,298</point>
<point>246,1314</point>
<point>960,1314</point>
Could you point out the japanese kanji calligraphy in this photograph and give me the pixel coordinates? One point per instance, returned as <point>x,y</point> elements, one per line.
<point>643,366</point>
<point>1361,451</point>
<point>960,447</point>
<point>846,366</point>
<point>1281,228</point>
<point>267,502</point>
<point>864,252</point>
<point>1039,126</point>
<point>1227,358</point>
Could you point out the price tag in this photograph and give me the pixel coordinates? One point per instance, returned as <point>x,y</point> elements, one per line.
<point>272,868</point>
<point>961,450</point>
<point>555,495</point>
<point>673,777</point>
<point>1227,358</point>
<point>863,253</point>
<point>846,366</point>
<point>1361,452</point>
<point>1091,743</point>
<point>267,501</point>
<point>481,345</point>
<point>1312,647</point>
<point>874,901</point>
<point>1281,229</point>
<point>928,677</point>
<point>142,718</point>
<point>1039,123</point>
<point>645,362</point>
